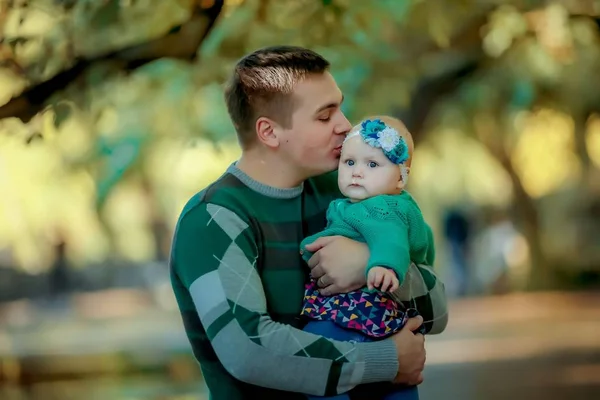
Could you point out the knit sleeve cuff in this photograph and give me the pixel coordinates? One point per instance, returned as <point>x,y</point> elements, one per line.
<point>381,361</point>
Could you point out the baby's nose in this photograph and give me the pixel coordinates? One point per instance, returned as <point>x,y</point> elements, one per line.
<point>357,172</point>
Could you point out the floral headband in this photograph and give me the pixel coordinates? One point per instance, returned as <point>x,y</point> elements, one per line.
<point>377,134</point>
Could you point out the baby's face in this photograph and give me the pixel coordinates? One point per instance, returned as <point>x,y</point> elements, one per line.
<point>364,171</point>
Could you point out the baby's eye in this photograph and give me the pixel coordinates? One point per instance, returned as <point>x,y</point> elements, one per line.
<point>372,164</point>
<point>349,163</point>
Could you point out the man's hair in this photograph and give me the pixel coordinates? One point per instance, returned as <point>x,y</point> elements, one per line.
<point>262,85</point>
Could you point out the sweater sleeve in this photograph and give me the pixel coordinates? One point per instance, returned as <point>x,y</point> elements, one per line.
<point>385,233</point>
<point>214,255</point>
<point>425,292</point>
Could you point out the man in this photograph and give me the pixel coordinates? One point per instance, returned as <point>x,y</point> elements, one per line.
<point>235,263</point>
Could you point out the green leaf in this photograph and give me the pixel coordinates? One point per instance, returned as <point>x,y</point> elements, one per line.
<point>14,42</point>
<point>118,158</point>
<point>107,14</point>
<point>523,94</point>
<point>62,111</point>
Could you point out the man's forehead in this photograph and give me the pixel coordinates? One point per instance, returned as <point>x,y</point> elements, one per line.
<point>319,91</point>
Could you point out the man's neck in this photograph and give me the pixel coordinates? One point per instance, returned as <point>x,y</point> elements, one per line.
<point>266,169</point>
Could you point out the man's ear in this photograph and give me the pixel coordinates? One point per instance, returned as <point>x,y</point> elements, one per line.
<point>266,131</point>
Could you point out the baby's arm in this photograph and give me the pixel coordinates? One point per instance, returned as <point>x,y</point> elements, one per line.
<point>330,230</point>
<point>383,279</point>
<point>389,247</point>
<point>306,255</point>
<point>386,235</point>
<point>430,256</point>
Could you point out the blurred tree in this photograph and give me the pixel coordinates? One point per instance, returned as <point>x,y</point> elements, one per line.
<point>122,78</point>
<point>540,61</point>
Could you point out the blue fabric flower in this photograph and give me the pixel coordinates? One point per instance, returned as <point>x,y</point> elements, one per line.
<point>377,134</point>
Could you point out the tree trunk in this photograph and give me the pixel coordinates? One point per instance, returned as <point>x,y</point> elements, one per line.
<point>582,151</point>
<point>526,216</point>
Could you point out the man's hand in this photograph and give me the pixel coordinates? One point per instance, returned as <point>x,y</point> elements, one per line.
<point>338,264</point>
<point>384,279</point>
<point>410,348</point>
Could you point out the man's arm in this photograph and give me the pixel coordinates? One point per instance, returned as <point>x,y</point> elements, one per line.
<point>341,263</point>
<point>423,291</point>
<point>214,257</point>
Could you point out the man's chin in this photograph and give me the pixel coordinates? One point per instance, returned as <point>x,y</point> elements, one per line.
<point>325,170</point>
<point>331,168</point>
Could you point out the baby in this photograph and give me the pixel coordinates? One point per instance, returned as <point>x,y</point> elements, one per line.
<point>373,172</point>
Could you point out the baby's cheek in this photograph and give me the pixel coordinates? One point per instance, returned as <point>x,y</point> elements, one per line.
<point>387,183</point>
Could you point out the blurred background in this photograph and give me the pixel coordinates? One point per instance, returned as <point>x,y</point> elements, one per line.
<point>111,117</point>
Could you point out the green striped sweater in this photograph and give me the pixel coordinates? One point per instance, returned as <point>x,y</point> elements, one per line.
<point>239,280</point>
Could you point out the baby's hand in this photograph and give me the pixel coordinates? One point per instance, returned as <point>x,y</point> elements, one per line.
<point>382,278</point>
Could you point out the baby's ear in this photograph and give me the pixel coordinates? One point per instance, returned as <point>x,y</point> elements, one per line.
<point>403,177</point>
<point>401,183</point>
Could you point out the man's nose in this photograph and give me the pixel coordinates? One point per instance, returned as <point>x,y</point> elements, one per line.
<point>344,126</point>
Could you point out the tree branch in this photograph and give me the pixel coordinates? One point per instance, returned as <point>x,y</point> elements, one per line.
<point>181,42</point>
<point>467,44</point>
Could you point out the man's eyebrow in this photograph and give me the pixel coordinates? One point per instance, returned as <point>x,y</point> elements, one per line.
<point>330,105</point>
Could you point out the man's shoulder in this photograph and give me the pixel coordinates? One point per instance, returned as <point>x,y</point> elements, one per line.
<point>225,192</point>
<point>227,188</point>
